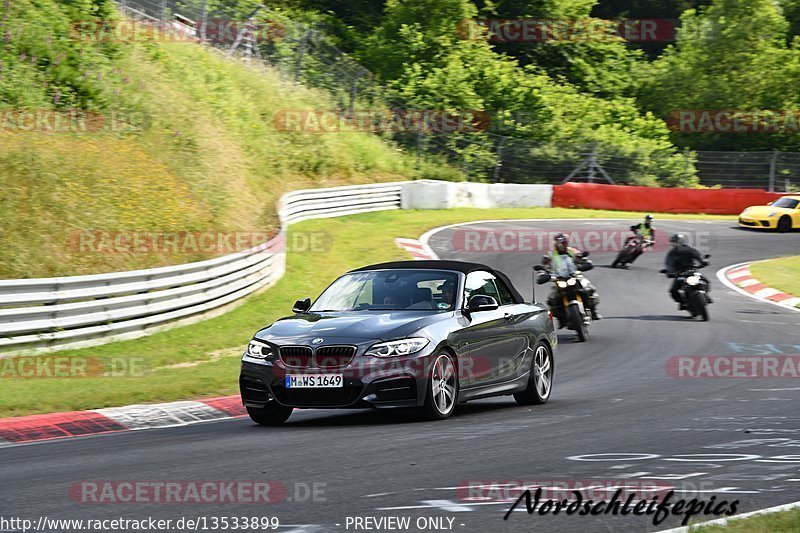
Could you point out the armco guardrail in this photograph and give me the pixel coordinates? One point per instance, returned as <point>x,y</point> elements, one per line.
<point>56,313</point>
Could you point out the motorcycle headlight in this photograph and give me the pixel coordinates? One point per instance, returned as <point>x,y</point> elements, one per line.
<point>571,281</point>
<point>693,280</point>
<point>398,347</point>
<point>561,284</point>
<point>258,350</point>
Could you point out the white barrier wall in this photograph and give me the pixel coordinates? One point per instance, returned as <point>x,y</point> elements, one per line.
<point>431,194</point>
<point>69,312</point>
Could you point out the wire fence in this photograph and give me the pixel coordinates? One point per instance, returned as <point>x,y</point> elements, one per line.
<point>306,55</point>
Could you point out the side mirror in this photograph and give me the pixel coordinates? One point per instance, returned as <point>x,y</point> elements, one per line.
<point>301,306</point>
<point>662,271</point>
<point>538,268</point>
<point>479,302</point>
<point>584,266</point>
<point>542,278</point>
<point>707,256</point>
<point>585,254</point>
<point>769,203</point>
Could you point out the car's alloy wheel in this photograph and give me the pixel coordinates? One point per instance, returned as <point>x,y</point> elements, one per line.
<point>784,224</point>
<point>272,414</point>
<point>440,400</point>
<point>540,380</point>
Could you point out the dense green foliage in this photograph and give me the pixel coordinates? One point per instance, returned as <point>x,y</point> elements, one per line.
<point>728,54</point>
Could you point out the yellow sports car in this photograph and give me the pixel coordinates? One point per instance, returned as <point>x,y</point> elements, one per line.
<point>782,214</point>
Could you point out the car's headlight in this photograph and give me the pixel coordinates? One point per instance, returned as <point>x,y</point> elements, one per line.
<point>258,350</point>
<point>561,284</point>
<point>692,280</point>
<point>398,347</point>
<point>571,281</point>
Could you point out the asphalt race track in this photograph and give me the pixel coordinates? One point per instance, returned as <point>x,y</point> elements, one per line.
<point>615,415</point>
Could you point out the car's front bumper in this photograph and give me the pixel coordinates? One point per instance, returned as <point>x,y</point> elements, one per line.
<point>758,222</point>
<point>368,382</point>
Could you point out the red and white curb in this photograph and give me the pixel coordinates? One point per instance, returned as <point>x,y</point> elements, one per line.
<point>739,278</point>
<point>418,250</point>
<point>32,428</point>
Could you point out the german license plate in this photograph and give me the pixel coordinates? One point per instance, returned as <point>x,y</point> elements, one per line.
<point>314,381</point>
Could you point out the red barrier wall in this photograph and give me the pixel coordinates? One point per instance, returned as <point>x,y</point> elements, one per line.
<point>659,200</point>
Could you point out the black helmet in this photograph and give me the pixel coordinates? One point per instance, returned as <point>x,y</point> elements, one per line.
<point>648,218</point>
<point>678,239</point>
<point>558,239</point>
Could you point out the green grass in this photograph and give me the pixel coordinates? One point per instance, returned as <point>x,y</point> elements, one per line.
<point>782,274</point>
<point>785,522</point>
<point>205,155</point>
<point>213,346</point>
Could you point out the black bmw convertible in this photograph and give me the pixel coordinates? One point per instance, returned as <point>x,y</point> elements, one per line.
<point>412,334</point>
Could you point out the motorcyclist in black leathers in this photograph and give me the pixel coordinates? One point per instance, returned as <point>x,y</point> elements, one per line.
<point>681,258</point>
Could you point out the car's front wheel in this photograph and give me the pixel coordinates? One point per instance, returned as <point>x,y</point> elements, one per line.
<point>272,414</point>
<point>784,224</point>
<point>442,390</point>
<point>540,380</point>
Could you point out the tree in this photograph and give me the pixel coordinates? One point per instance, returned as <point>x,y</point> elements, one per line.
<point>731,55</point>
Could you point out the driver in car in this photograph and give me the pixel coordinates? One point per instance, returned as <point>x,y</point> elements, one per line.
<point>561,261</point>
<point>448,289</point>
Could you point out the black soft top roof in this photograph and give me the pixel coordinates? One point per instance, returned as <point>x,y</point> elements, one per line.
<point>458,266</point>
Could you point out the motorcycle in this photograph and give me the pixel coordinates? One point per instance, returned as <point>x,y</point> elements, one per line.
<point>635,247</point>
<point>571,310</point>
<point>693,290</point>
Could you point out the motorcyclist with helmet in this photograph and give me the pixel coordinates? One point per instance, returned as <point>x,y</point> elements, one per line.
<point>645,229</point>
<point>681,258</point>
<point>561,260</point>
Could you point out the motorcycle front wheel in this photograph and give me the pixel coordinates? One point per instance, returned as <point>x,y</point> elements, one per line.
<point>575,320</point>
<point>698,305</point>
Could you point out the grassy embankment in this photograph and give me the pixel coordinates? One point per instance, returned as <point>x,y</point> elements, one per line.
<point>193,146</point>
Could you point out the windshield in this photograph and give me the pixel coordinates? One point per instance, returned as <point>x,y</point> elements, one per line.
<point>789,203</point>
<point>390,290</point>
